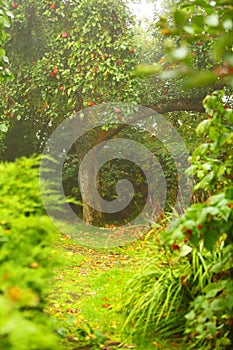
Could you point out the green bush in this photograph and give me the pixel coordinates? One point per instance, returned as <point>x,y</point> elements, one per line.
<point>26,237</point>
<point>210,318</point>
<point>189,292</point>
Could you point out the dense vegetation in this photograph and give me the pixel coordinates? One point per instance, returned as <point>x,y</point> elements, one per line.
<point>26,239</point>
<point>172,288</point>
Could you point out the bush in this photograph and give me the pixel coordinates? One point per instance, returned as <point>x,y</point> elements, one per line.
<point>190,291</point>
<point>26,236</point>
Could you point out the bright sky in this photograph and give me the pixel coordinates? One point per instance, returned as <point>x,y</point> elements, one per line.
<point>145,9</point>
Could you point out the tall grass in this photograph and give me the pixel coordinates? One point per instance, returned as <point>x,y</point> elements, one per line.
<point>155,301</point>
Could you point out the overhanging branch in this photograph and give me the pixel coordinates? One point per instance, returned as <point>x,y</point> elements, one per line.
<point>179,105</point>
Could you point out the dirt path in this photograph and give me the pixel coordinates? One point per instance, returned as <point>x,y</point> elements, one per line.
<point>85,292</point>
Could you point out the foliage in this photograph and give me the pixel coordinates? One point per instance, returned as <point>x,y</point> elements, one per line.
<point>212,164</point>
<point>212,160</point>
<point>151,296</point>
<point>26,263</point>
<point>202,237</point>
<point>156,299</point>
<point>5,16</point>
<point>215,303</point>
<point>5,74</point>
<point>84,56</point>
<point>196,23</point>
<point>209,221</point>
<point>197,39</point>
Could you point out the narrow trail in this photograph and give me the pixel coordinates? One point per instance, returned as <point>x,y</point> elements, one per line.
<point>85,291</point>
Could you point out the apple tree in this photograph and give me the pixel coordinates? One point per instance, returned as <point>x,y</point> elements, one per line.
<point>69,55</point>
<point>83,56</point>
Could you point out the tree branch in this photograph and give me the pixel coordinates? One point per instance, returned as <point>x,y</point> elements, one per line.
<point>179,105</point>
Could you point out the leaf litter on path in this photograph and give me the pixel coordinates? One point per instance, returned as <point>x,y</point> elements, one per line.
<point>85,289</point>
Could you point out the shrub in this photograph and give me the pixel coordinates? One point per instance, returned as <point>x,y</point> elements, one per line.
<point>26,236</point>
<point>197,277</point>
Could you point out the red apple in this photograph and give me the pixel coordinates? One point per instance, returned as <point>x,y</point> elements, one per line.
<point>189,232</point>
<point>53,6</point>
<point>117,110</point>
<point>61,88</point>
<point>64,35</point>
<point>52,74</point>
<point>15,5</point>
<point>55,70</point>
<point>92,103</point>
<point>132,50</point>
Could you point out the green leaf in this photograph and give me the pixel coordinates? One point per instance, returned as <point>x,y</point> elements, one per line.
<point>190,316</point>
<point>203,127</point>
<point>213,200</point>
<point>221,44</point>
<point>212,20</point>
<point>200,79</point>
<point>189,29</point>
<point>212,293</point>
<point>226,341</point>
<point>225,138</point>
<point>145,70</point>
<point>3,127</point>
<point>229,115</point>
<point>179,17</point>
<point>217,305</point>
<point>229,301</point>
<point>205,182</point>
<point>199,20</point>
<point>180,53</point>
<point>210,238</point>
<point>185,250</point>
<point>169,74</point>
<point>211,328</point>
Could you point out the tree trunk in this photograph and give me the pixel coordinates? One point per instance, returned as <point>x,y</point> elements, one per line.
<point>91,216</point>
<point>89,178</point>
<point>86,143</point>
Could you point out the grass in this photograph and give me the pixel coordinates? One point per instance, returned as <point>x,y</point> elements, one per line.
<point>85,292</point>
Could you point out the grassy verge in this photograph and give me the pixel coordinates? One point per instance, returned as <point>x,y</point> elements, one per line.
<point>85,292</point>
